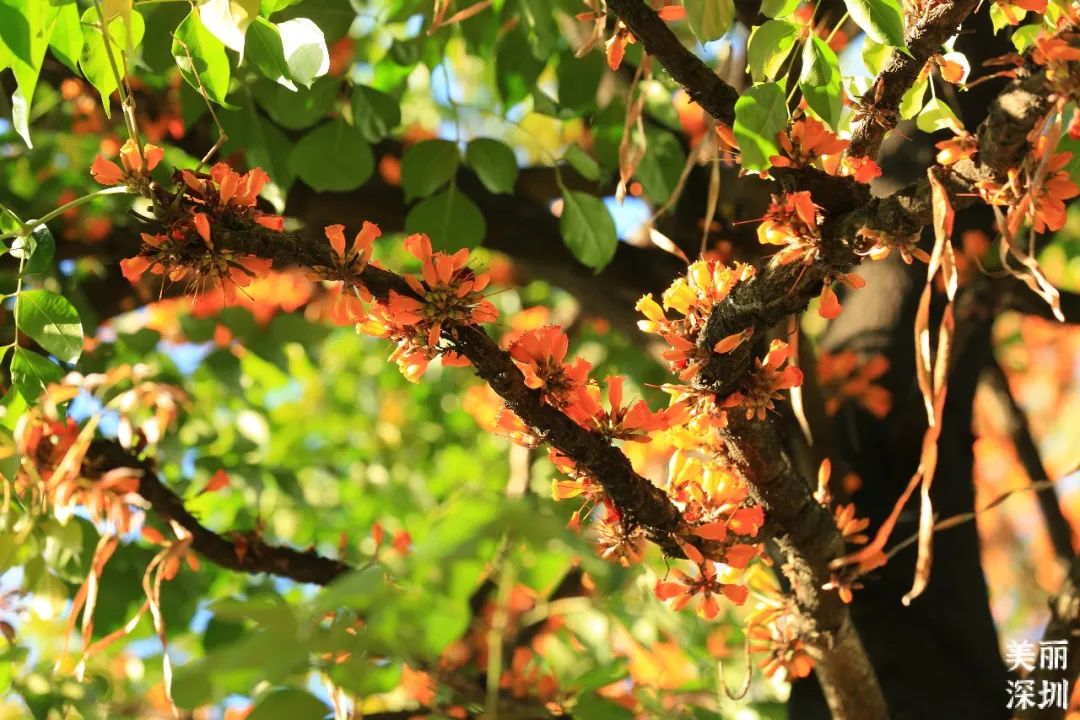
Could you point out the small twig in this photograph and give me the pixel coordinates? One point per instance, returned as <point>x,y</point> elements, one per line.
<point>222,135</point>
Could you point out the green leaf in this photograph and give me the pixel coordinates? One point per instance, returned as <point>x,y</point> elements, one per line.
<point>94,59</point>
<point>39,248</point>
<point>25,28</point>
<point>305,50</point>
<point>300,109</point>
<point>1024,36</point>
<point>203,60</point>
<point>228,20</point>
<point>587,229</point>
<point>494,163</point>
<point>31,373</point>
<point>709,19</point>
<point>661,166</point>
<point>935,116</point>
<point>875,55</point>
<point>67,36</point>
<point>820,81</point>
<point>374,112</point>
<point>516,68</point>
<point>583,162</point>
<point>578,80</point>
<point>768,47</point>
<point>52,322</point>
<point>450,219</point>
<point>333,157</point>
<point>288,704</point>
<point>881,20</point>
<point>914,97</point>
<point>778,8</point>
<point>265,51</point>
<point>760,113</point>
<point>427,166</point>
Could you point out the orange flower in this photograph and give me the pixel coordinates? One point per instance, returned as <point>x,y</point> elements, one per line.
<point>135,165</point>
<point>705,584</point>
<point>809,144</point>
<point>632,422</point>
<point>1051,194</point>
<point>844,375</point>
<point>449,292</point>
<point>764,385</point>
<point>540,355</point>
<point>961,147</point>
<point>792,221</point>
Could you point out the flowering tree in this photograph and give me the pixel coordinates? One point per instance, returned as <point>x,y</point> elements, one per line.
<point>661,262</point>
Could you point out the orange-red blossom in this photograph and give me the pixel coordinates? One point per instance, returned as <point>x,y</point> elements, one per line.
<point>135,164</point>
<point>766,382</point>
<point>631,422</point>
<point>540,355</point>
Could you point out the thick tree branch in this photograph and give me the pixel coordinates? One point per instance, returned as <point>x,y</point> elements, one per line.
<point>941,21</point>
<point>702,84</point>
<point>1016,425</point>
<point>249,555</point>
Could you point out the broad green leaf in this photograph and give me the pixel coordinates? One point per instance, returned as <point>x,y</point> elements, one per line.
<point>300,109</point>
<point>52,322</point>
<point>583,162</point>
<point>333,157</point>
<point>778,8</point>
<point>588,229</point>
<point>67,36</point>
<point>1024,36</point>
<point>661,166</point>
<point>266,52</point>
<point>38,247</point>
<point>578,80</point>
<point>516,68</point>
<point>201,58</point>
<point>768,47</point>
<point>881,20</point>
<point>305,50</point>
<point>427,166</point>
<point>94,59</point>
<point>820,81</point>
<point>288,704</point>
<point>228,20</point>
<point>374,112</point>
<point>31,373</point>
<point>269,7</point>
<point>935,116</point>
<point>875,55</point>
<point>709,19</point>
<point>494,163</point>
<point>912,101</point>
<point>450,219</point>
<point>25,29</point>
<point>760,113</point>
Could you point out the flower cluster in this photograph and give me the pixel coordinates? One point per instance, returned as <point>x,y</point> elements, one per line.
<point>846,376</point>
<point>761,387</point>
<point>808,143</point>
<point>448,292</point>
<point>1036,192</point>
<point>707,283</point>
<point>135,165</point>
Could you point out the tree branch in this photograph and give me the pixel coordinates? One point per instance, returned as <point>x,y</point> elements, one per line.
<point>925,38</point>
<point>255,556</point>
<point>1016,425</point>
<point>702,84</point>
